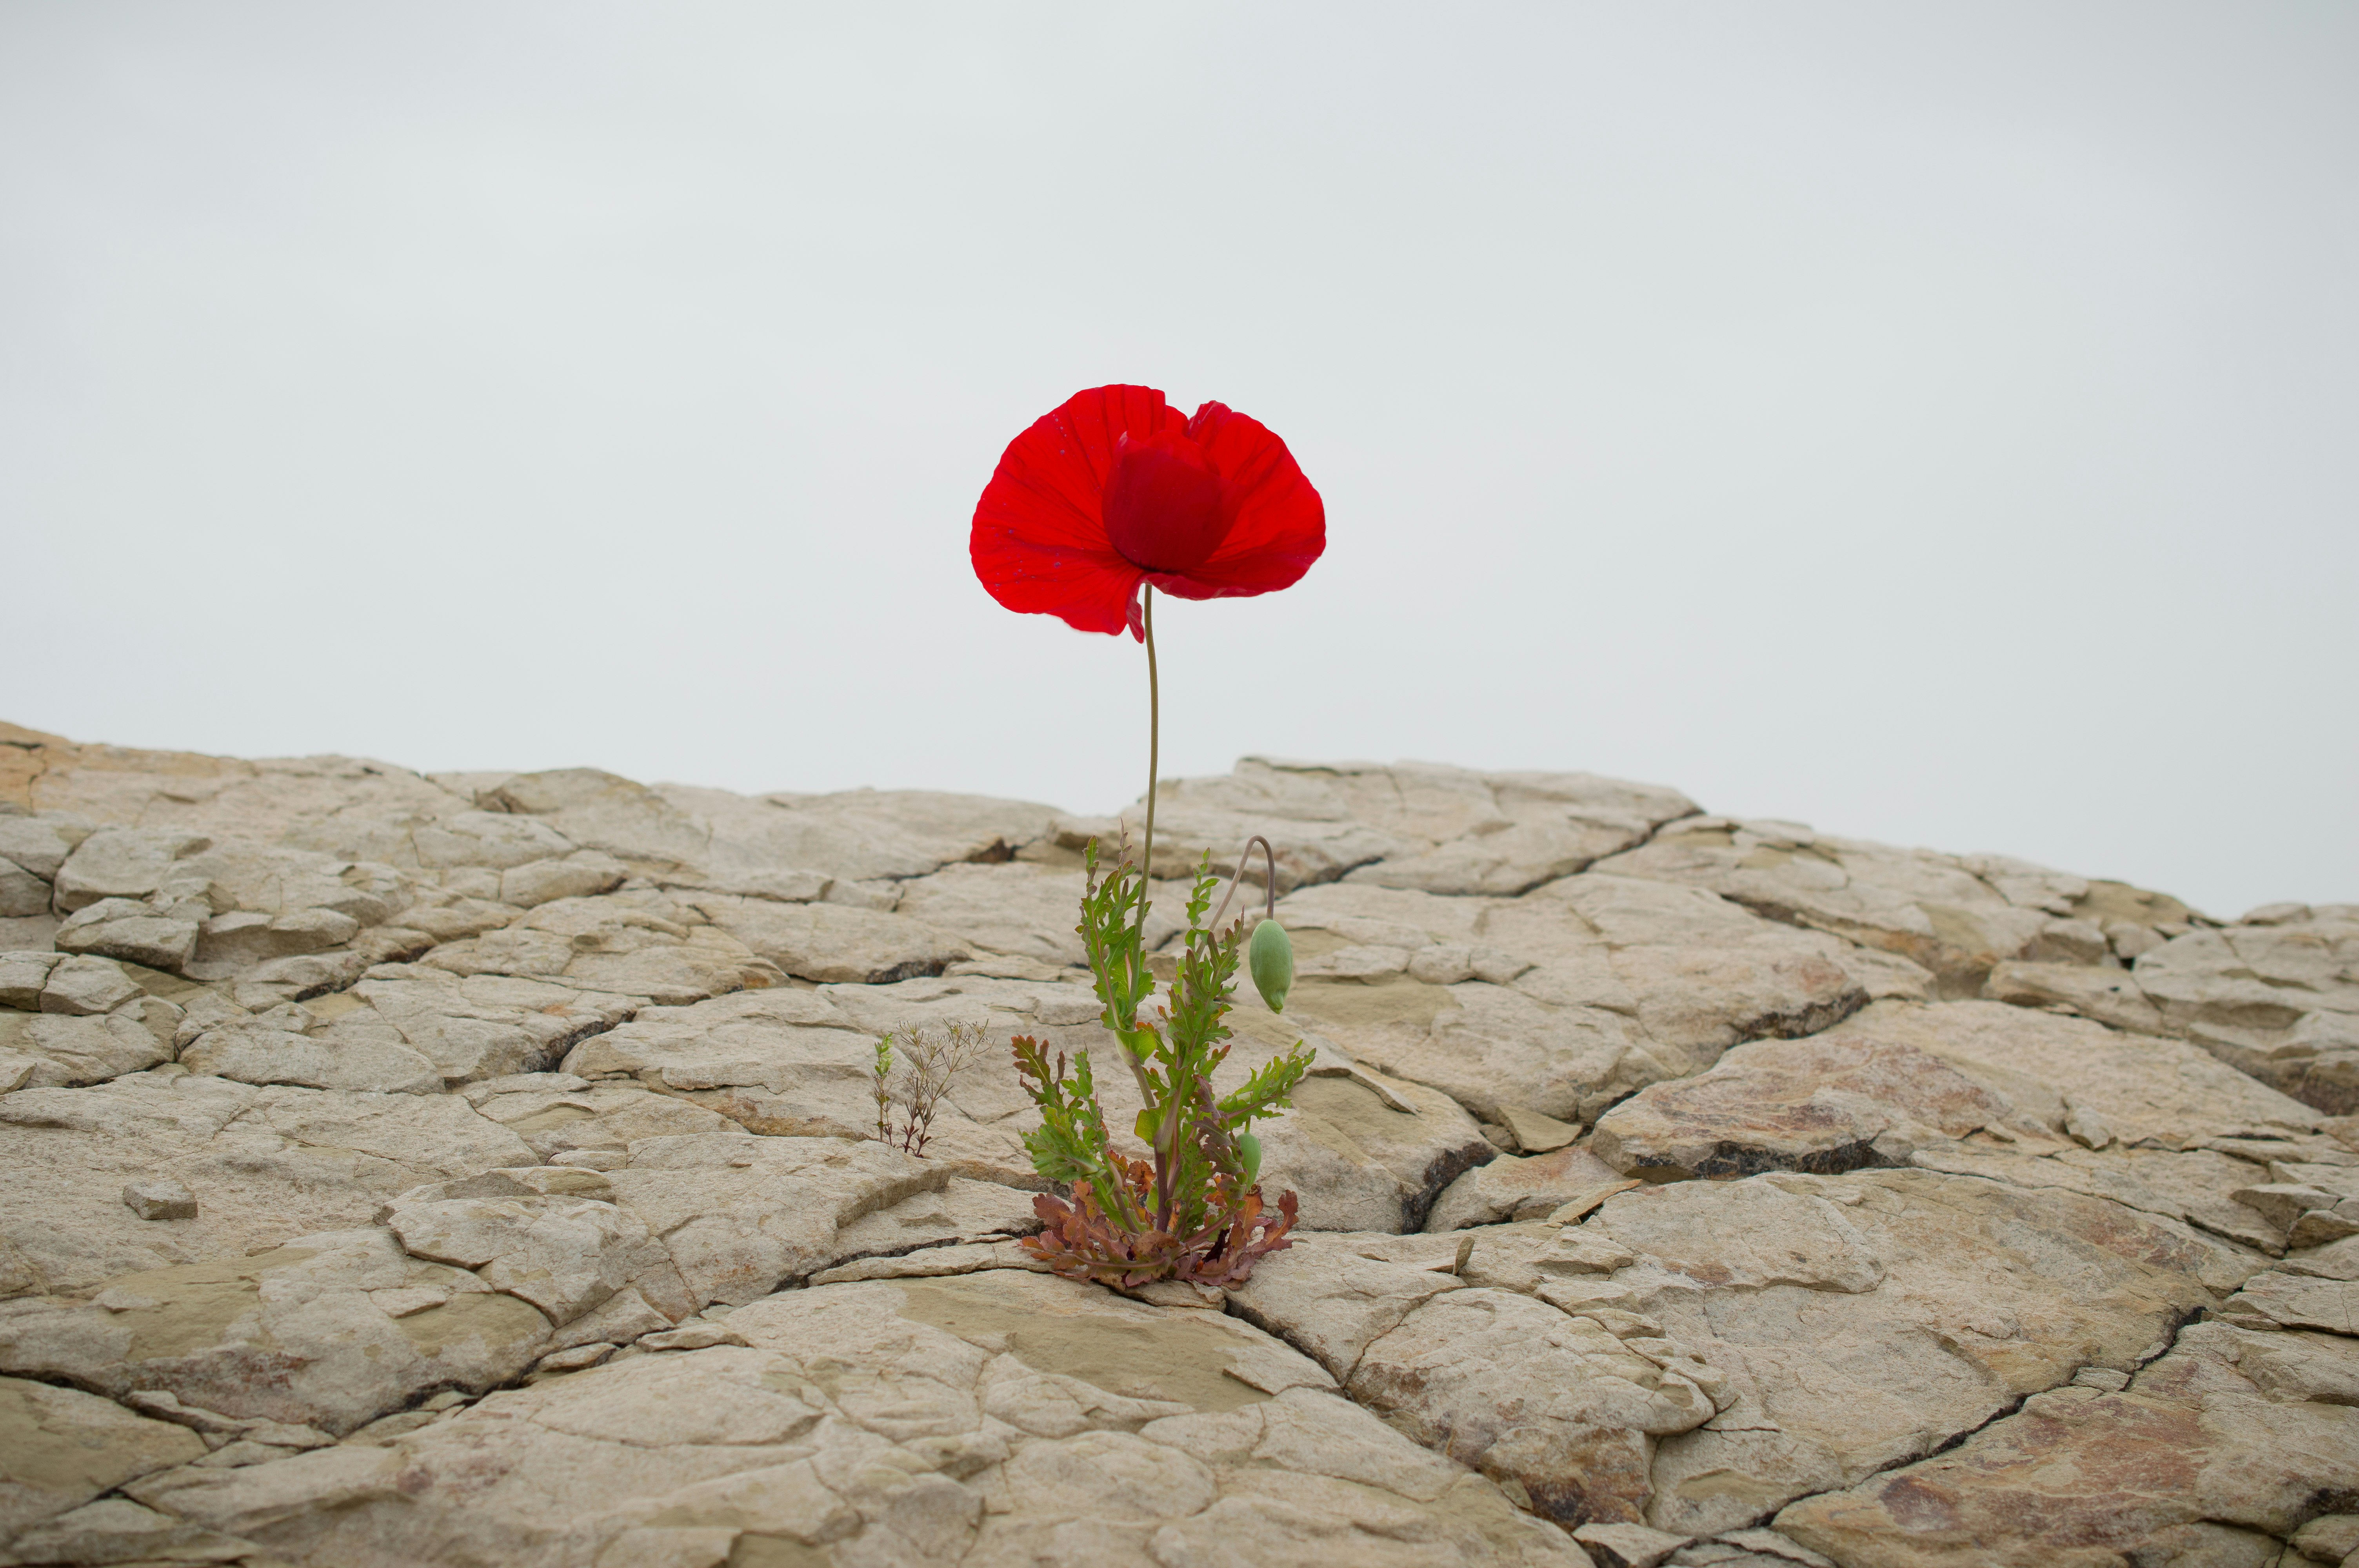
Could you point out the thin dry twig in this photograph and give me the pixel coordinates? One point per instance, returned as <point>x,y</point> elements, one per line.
<point>930,1057</point>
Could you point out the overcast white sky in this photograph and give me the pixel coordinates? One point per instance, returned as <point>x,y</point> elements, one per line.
<point>1932,422</point>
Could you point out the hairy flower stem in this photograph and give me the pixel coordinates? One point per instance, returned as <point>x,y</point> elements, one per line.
<point>1167,1127</point>
<point>1153,758</point>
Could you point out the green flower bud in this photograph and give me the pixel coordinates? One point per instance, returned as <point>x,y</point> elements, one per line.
<point>1249,1154</point>
<point>1270,959</point>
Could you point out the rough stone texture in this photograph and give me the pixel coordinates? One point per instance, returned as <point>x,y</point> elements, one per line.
<point>62,1449</point>
<point>267,1166</point>
<point>1901,1309</point>
<point>476,1168</point>
<point>1002,1420</point>
<point>328,1331</point>
<point>1566,1184</point>
<point>2215,1454</point>
<point>2279,999</point>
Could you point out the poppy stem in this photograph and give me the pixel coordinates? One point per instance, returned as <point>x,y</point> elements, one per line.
<point>1154,760</point>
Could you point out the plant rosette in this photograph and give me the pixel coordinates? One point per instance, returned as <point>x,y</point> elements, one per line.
<point>1101,501</point>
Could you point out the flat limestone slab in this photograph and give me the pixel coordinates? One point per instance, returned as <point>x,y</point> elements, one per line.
<point>989,1419</point>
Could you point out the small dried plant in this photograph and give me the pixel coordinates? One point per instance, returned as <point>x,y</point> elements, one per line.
<point>908,1092</point>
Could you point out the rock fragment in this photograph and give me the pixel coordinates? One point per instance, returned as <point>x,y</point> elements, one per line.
<point>160,1198</point>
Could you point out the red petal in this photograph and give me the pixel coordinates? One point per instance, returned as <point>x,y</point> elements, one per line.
<point>1039,539</point>
<point>1281,523</point>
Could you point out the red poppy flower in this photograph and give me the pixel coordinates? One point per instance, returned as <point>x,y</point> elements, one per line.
<point>1114,488</point>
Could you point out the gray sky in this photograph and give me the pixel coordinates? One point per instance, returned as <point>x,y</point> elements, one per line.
<point>1929,422</point>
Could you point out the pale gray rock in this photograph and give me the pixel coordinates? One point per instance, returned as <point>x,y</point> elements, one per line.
<point>1541,826</point>
<point>830,943</point>
<point>2215,1453</point>
<point>123,862</point>
<point>22,894</point>
<point>65,1448</point>
<point>589,809</point>
<point>1556,1397</point>
<point>699,1042</point>
<point>229,943</point>
<point>1535,1133</point>
<point>492,840</point>
<point>1461,956</point>
<point>581,875</point>
<point>1482,1045</point>
<point>566,1256</point>
<point>622,1318</point>
<point>2281,1299</point>
<point>116,1529</point>
<point>348,807</point>
<point>985,1421</point>
<point>2282,1202</point>
<point>1627,1545</point>
<point>452,914</point>
<point>67,1050</point>
<point>711,834</point>
<point>2197,1185</point>
<point>291,1334</point>
<point>963,1212</point>
<point>935,1262</point>
<point>715,1200</point>
<point>784,1062</point>
<point>1971,1089</point>
<point>788,885</point>
<point>23,975</point>
<point>301,977</point>
<point>271,1164</point>
<point>1704,973</point>
<point>254,1053</point>
<point>562,1125</point>
<point>694,1337</point>
<point>1987,1293</point>
<point>1333,1294</point>
<point>1750,1235</point>
<point>864,835</point>
<point>1932,909</point>
<point>1532,1187</point>
<point>39,845</point>
<point>83,986</point>
<point>132,931</point>
<point>1023,909</point>
<point>2278,1001</point>
<point>1598,986</point>
<point>236,874</point>
<point>1828,1104</point>
<point>2329,1539</point>
<point>2110,996</point>
<point>1554,1404</point>
<point>35,932</point>
<point>1305,814</point>
<point>2162,1092</point>
<point>486,1026</point>
<point>642,944</point>
<point>1366,1153</point>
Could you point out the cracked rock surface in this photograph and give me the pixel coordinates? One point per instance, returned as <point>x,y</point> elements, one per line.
<point>477,1168</point>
